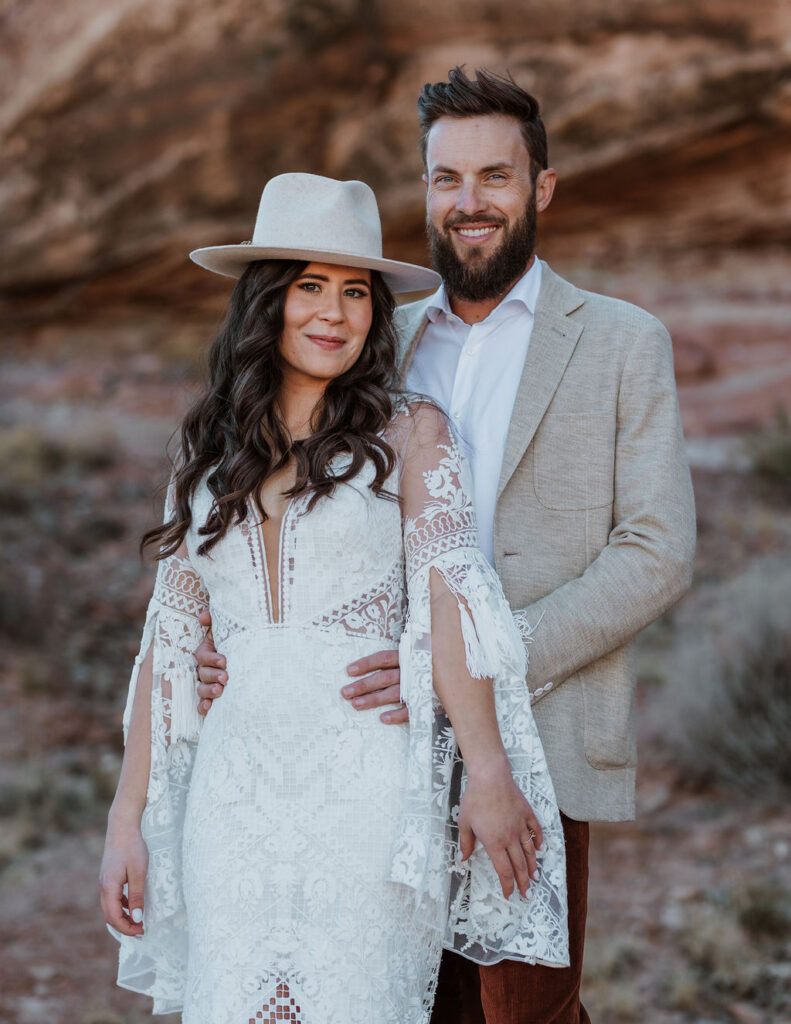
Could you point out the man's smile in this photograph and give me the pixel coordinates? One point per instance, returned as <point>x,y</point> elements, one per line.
<point>475,234</point>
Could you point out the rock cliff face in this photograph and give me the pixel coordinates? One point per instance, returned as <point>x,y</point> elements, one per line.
<point>134,131</point>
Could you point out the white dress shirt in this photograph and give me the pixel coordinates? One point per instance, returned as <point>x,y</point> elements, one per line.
<point>472,371</point>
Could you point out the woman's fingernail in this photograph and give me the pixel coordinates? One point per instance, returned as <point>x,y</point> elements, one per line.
<point>352,670</point>
<point>347,691</point>
<point>358,702</point>
<point>137,915</point>
<point>536,875</point>
<point>216,690</point>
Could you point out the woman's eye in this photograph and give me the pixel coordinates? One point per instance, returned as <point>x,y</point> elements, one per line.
<point>309,286</point>
<point>356,293</point>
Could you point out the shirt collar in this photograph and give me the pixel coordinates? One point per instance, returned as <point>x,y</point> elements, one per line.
<point>524,292</point>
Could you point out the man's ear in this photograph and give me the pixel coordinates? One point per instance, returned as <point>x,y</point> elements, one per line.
<point>545,188</point>
<point>424,178</point>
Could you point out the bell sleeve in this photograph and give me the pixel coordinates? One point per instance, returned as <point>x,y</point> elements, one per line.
<point>466,900</point>
<point>155,963</point>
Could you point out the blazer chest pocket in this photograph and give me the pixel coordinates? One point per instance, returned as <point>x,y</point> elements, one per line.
<point>573,459</point>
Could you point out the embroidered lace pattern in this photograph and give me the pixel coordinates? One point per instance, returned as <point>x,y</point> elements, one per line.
<point>302,853</point>
<point>527,633</point>
<point>440,536</point>
<point>158,964</point>
<point>378,612</point>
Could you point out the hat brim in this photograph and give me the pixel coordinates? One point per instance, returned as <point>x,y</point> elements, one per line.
<point>231,260</point>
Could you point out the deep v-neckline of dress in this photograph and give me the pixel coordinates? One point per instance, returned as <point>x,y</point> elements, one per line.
<point>274,586</point>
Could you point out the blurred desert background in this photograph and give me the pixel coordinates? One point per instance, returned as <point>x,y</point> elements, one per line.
<point>135,130</point>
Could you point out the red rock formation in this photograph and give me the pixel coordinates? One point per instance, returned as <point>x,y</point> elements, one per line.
<point>134,131</point>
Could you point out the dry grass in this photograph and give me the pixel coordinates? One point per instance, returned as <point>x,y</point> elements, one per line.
<point>612,969</point>
<point>725,713</point>
<point>728,948</point>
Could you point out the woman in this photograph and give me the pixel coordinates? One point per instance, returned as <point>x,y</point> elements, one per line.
<point>300,860</point>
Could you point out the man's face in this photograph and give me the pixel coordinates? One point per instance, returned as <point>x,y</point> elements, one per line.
<point>481,203</point>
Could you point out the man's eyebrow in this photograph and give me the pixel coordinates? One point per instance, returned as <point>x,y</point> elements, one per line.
<point>501,165</point>
<point>323,277</point>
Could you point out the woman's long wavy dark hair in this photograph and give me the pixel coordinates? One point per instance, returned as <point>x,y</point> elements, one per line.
<point>236,428</point>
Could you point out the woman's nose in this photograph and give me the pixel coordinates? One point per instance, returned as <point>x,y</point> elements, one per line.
<point>331,310</point>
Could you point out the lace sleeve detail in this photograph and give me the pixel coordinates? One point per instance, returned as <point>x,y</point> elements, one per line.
<point>155,964</point>
<point>528,634</point>
<point>466,900</point>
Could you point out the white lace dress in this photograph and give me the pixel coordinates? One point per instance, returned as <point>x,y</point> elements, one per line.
<point>302,853</point>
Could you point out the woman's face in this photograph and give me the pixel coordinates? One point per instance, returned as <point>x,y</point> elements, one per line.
<point>326,320</point>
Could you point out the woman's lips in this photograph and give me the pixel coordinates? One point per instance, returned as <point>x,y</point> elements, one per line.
<point>325,341</point>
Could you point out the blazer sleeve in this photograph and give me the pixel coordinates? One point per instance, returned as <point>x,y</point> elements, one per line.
<point>646,565</point>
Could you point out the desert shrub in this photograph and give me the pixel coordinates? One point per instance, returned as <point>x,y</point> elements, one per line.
<point>714,946</point>
<point>764,910</point>
<point>770,453</point>
<point>29,456</point>
<point>726,715</point>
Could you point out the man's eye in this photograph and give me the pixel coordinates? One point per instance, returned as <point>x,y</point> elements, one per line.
<point>497,177</point>
<point>444,180</point>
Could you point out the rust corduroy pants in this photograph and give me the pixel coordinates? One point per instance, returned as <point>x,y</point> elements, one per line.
<point>517,993</point>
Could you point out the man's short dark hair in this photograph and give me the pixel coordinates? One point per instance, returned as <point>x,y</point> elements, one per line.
<point>487,93</point>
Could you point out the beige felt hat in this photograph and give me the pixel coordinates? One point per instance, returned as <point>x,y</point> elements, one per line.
<point>322,220</point>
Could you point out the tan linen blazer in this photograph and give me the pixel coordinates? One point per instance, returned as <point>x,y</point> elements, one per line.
<point>594,530</point>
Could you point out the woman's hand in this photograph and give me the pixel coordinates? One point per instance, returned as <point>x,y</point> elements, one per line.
<point>494,810</point>
<point>125,860</point>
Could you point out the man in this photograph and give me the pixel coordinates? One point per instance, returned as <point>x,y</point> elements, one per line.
<point>566,403</point>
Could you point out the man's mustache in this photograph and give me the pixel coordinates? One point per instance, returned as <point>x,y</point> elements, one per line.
<point>477,218</point>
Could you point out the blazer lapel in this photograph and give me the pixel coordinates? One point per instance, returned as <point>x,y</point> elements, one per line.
<point>410,321</point>
<point>552,342</point>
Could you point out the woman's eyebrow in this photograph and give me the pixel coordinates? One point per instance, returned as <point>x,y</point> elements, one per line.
<point>322,277</point>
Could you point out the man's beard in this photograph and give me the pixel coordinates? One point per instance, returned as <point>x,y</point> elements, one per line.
<point>476,280</point>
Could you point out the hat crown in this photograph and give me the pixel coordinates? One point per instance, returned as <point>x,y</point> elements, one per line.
<point>319,220</point>
<point>308,211</point>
